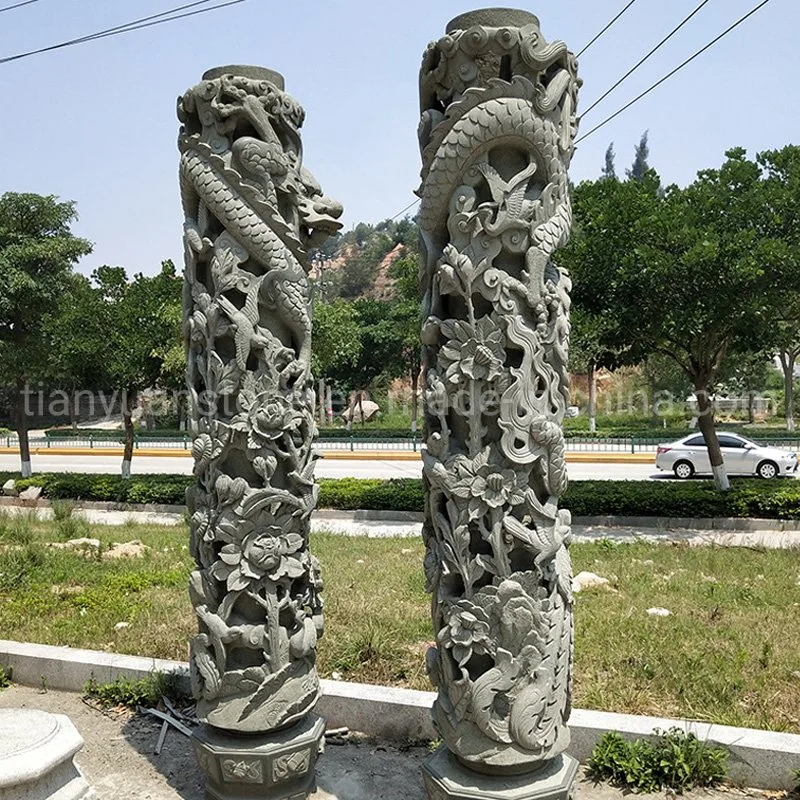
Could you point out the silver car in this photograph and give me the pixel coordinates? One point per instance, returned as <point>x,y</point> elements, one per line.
<point>741,456</point>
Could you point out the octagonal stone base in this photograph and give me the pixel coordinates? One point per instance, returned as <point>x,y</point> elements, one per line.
<point>36,750</point>
<point>271,766</point>
<point>447,779</point>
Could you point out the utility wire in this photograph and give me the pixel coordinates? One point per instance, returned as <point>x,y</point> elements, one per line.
<point>597,36</point>
<point>138,24</point>
<point>17,5</point>
<point>642,60</point>
<point>673,72</point>
<point>403,211</point>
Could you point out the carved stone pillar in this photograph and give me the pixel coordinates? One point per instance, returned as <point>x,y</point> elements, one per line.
<point>251,212</point>
<point>498,122</point>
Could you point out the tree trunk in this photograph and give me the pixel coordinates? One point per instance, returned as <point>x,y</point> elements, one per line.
<point>705,416</point>
<point>751,411</point>
<point>592,377</point>
<point>74,411</point>
<point>787,359</point>
<point>414,386</point>
<point>22,429</point>
<point>321,400</point>
<point>128,398</point>
<point>361,407</point>
<point>352,410</point>
<point>329,404</point>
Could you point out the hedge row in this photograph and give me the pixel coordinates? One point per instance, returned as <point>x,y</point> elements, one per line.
<point>779,499</point>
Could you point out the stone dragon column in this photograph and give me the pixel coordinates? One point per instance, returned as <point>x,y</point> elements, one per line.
<point>252,210</point>
<point>496,135</point>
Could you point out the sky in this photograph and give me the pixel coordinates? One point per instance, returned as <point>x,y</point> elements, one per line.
<point>95,123</point>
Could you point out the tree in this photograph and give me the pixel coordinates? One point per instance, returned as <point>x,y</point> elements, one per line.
<point>37,254</point>
<point>336,344</point>
<point>140,332</point>
<point>781,187</point>
<point>609,170</point>
<point>407,315</point>
<point>640,166</point>
<point>76,342</point>
<point>684,272</point>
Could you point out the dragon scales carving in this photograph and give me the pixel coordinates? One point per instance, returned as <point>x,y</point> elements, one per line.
<point>251,212</point>
<point>498,122</point>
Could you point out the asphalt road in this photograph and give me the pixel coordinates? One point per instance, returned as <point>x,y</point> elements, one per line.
<point>326,468</point>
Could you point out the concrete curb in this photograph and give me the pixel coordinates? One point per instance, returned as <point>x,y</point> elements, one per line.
<point>760,759</point>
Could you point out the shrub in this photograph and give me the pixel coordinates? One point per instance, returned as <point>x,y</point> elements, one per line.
<point>133,693</point>
<point>676,760</point>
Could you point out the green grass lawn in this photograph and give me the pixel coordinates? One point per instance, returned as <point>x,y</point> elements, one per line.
<point>729,652</point>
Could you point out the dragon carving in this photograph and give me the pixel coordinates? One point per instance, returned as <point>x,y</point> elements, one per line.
<point>252,211</point>
<point>496,132</point>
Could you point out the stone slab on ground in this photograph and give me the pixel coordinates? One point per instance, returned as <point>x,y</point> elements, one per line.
<point>118,761</point>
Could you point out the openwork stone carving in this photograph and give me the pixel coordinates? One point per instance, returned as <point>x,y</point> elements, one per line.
<point>251,212</point>
<point>498,122</point>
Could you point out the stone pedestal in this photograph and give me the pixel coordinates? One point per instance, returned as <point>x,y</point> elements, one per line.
<point>36,751</point>
<point>273,766</point>
<point>447,779</point>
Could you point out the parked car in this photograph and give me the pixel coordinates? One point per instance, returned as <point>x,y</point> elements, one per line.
<point>741,456</point>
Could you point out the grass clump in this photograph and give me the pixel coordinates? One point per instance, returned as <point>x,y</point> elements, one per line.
<point>131,693</point>
<point>6,674</point>
<point>675,760</point>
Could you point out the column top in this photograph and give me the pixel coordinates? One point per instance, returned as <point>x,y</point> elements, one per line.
<point>492,18</point>
<point>245,71</point>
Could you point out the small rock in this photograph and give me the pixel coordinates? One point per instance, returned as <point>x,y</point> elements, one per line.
<point>657,611</point>
<point>133,549</point>
<point>360,561</point>
<point>120,626</point>
<point>31,493</point>
<point>10,488</point>
<point>587,580</point>
<point>83,543</point>
<point>336,676</point>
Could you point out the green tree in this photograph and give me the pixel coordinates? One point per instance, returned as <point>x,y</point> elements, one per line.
<point>76,342</point>
<point>688,272</point>
<point>336,345</point>
<point>407,316</point>
<point>140,332</point>
<point>37,255</point>
<point>640,166</point>
<point>609,170</point>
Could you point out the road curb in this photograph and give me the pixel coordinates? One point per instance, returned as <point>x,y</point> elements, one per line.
<point>380,515</point>
<point>760,759</point>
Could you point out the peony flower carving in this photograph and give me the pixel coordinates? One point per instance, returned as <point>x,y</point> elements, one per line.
<point>466,632</point>
<point>264,553</point>
<point>475,352</point>
<point>486,485</point>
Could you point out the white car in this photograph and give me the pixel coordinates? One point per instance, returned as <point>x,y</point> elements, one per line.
<point>741,456</point>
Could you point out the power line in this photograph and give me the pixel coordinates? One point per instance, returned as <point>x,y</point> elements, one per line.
<point>597,36</point>
<point>18,5</point>
<point>403,211</point>
<point>642,60</point>
<point>673,72</point>
<point>134,25</point>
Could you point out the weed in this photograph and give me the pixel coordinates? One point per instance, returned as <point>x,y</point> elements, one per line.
<point>18,565</point>
<point>67,525</point>
<point>6,674</point>
<point>131,693</point>
<point>675,760</point>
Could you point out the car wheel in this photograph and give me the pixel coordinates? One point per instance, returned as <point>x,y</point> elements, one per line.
<point>683,469</point>
<point>767,469</point>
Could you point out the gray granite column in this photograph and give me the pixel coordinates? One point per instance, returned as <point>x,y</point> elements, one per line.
<point>496,134</point>
<point>251,212</point>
